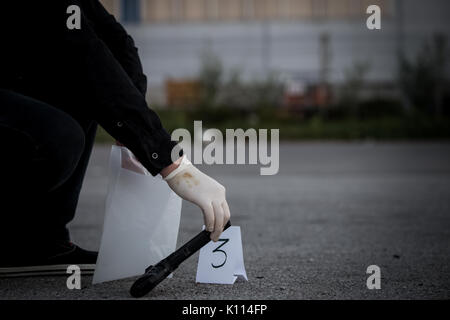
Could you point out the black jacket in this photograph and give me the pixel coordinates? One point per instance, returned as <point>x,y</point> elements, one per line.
<point>93,73</point>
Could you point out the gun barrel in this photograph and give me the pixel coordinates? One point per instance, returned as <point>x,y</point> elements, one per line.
<point>156,274</point>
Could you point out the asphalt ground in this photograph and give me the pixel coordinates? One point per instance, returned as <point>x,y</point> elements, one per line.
<point>309,232</point>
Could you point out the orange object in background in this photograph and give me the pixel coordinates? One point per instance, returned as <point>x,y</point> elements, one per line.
<point>182,93</point>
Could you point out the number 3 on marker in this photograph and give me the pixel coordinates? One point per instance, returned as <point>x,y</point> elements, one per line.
<point>224,253</point>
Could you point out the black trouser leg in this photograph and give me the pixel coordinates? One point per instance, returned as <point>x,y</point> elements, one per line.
<point>62,202</point>
<point>42,165</point>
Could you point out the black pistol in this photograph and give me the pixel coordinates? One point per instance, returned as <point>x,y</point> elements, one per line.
<point>156,274</point>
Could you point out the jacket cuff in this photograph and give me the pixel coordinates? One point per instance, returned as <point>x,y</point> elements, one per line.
<point>158,154</point>
<point>152,146</point>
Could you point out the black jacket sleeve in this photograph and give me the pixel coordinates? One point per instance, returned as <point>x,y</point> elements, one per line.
<point>121,108</point>
<point>118,41</point>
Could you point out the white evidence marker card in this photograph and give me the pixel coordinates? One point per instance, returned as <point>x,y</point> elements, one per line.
<point>222,262</point>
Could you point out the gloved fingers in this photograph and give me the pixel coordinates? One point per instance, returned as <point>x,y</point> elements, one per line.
<point>226,212</point>
<point>208,215</point>
<point>218,221</point>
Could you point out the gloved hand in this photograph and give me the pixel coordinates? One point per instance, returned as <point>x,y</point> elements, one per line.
<point>193,185</point>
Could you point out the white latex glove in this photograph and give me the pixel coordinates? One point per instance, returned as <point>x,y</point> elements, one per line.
<point>193,185</point>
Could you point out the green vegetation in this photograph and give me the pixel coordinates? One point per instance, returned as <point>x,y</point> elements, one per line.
<point>417,127</point>
<point>421,110</point>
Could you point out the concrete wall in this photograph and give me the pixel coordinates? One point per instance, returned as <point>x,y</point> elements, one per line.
<point>289,47</point>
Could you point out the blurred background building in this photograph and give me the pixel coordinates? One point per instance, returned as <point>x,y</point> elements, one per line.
<point>318,49</point>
